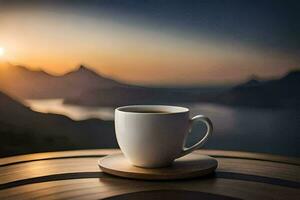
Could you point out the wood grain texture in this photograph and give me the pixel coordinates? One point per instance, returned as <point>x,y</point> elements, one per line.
<point>55,155</point>
<point>250,155</point>
<point>190,166</point>
<point>76,175</point>
<point>103,152</point>
<point>76,165</point>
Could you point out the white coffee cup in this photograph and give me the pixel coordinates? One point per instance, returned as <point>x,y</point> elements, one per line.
<point>154,136</point>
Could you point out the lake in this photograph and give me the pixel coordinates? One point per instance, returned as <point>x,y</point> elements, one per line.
<point>74,112</point>
<point>275,131</point>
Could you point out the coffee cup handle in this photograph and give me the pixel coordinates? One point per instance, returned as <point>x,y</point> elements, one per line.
<point>208,123</point>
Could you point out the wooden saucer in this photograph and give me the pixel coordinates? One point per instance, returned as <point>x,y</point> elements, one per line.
<point>189,166</point>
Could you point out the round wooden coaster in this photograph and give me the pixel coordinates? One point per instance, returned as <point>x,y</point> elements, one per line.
<point>189,166</point>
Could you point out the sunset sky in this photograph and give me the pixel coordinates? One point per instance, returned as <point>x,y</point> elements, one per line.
<point>154,42</point>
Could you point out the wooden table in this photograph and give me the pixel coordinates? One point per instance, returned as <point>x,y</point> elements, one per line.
<point>75,175</point>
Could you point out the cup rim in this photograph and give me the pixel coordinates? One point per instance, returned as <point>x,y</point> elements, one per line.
<point>169,109</point>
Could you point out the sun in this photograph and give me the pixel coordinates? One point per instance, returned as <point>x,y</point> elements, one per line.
<point>2,51</point>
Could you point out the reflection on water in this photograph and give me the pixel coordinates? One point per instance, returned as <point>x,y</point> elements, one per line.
<point>74,112</point>
<point>244,129</point>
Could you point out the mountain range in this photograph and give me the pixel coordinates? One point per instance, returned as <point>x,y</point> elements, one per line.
<point>86,87</point>
<point>22,83</point>
<point>281,93</point>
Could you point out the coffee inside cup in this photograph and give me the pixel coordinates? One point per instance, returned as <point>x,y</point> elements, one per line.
<point>149,111</point>
<point>152,109</point>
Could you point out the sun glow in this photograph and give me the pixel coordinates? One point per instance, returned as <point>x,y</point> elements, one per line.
<point>2,51</point>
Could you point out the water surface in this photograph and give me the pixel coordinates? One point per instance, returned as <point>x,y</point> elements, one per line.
<point>274,131</point>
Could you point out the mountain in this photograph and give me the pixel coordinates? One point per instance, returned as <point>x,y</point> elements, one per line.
<point>22,83</point>
<point>283,92</point>
<point>252,82</point>
<point>86,87</point>
<point>26,131</point>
